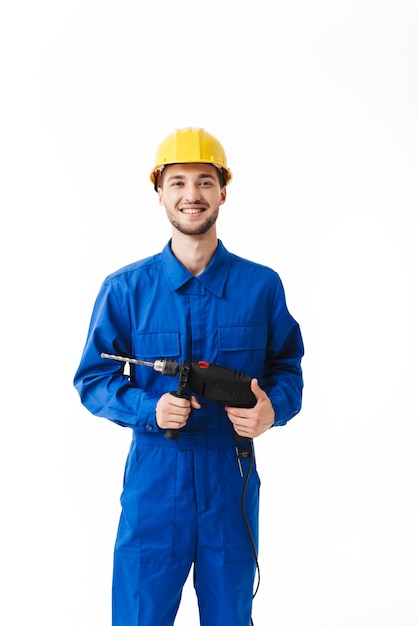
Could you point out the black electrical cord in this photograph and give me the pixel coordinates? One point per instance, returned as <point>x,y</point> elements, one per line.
<point>251,455</point>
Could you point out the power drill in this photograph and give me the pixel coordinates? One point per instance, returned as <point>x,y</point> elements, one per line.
<point>213,382</point>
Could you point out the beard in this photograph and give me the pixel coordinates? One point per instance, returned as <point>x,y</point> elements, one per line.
<point>199,229</point>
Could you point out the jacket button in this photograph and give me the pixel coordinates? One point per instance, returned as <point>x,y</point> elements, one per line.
<point>148,427</point>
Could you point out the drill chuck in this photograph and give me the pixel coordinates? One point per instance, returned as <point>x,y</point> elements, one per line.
<point>167,367</point>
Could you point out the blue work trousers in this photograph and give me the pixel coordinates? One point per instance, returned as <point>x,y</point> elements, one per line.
<point>182,505</point>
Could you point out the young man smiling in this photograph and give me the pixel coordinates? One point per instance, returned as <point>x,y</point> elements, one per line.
<point>192,500</point>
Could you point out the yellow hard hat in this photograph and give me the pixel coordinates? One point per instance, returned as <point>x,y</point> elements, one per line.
<point>190,145</point>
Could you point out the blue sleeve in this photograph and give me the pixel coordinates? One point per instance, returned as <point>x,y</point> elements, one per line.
<point>103,387</point>
<point>282,378</point>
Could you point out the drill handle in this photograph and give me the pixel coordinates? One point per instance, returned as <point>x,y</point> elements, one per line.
<point>174,433</point>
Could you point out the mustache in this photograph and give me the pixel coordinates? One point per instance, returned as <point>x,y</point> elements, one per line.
<point>196,203</point>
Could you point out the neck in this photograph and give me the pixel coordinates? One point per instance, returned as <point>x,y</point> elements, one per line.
<point>194,252</point>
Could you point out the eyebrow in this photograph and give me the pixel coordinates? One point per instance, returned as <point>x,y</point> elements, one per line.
<point>182,176</point>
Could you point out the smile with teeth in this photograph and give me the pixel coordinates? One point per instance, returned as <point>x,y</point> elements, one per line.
<point>192,211</point>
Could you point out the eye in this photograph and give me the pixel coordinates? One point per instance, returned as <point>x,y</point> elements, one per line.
<point>206,183</point>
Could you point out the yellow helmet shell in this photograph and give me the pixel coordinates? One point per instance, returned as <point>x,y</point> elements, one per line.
<point>190,145</point>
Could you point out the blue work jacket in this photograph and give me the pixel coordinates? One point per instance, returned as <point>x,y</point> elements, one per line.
<point>234,314</point>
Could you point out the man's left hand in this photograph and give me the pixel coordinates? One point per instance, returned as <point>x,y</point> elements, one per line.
<point>253,422</point>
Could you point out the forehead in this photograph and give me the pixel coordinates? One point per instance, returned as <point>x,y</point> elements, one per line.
<point>195,170</point>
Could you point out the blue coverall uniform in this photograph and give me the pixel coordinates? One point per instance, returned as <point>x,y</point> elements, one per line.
<point>181,500</point>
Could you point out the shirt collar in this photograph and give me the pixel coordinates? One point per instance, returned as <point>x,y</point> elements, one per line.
<point>213,277</point>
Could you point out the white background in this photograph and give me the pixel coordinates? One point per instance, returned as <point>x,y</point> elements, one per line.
<point>315,103</point>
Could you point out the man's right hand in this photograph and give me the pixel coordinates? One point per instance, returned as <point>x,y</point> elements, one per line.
<point>173,412</point>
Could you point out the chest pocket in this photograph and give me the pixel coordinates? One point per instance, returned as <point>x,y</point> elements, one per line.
<point>244,346</point>
<point>156,345</point>
<point>242,337</point>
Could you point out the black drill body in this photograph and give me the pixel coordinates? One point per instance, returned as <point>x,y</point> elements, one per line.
<point>213,382</point>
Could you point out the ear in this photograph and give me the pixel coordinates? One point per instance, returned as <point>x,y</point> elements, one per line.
<point>223,194</point>
<point>161,197</point>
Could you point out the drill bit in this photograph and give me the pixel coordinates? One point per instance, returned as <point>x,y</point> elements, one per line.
<point>126,359</point>
<point>165,366</point>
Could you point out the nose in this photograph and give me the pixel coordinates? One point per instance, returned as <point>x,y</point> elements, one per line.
<point>192,191</point>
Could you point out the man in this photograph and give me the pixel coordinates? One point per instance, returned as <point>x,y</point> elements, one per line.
<point>191,500</point>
